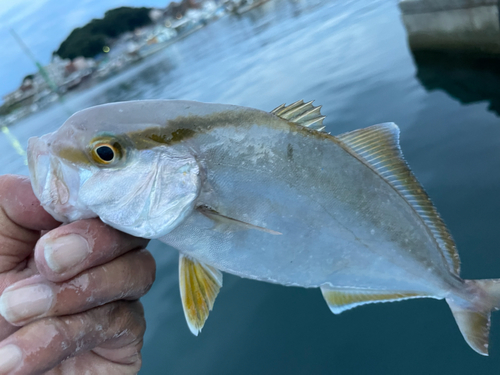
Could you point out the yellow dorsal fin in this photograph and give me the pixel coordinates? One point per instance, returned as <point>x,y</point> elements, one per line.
<point>301,113</point>
<point>378,147</point>
<point>342,299</point>
<point>199,284</point>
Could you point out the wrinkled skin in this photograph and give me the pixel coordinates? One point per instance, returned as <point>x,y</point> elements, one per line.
<point>95,319</point>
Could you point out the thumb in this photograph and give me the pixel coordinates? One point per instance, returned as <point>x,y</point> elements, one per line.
<point>21,219</point>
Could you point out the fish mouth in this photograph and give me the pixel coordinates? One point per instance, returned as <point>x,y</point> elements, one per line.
<point>38,162</point>
<point>49,180</point>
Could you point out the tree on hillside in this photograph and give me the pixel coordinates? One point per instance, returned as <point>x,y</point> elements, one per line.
<point>29,76</point>
<point>88,41</point>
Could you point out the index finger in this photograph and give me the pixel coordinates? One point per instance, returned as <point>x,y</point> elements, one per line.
<point>70,249</point>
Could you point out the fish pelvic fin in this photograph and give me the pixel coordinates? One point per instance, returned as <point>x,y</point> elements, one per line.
<point>378,147</point>
<point>304,114</point>
<point>473,319</point>
<point>342,299</point>
<point>199,286</point>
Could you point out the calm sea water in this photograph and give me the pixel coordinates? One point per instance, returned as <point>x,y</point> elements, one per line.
<point>351,57</point>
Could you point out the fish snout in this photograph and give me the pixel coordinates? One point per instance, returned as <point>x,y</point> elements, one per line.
<point>49,179</point>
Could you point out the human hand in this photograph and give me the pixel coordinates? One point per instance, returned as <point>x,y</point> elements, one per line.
<point>69,300</point>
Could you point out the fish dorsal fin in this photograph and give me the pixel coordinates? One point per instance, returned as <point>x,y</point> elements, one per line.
<point>301,113</point>
<point>378,147</point>
<point>199,284</point>
<point>342,299</point>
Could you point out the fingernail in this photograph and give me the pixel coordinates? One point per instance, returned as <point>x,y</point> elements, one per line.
<point>26,302</point>
<point>65,252</point>
<point>10,358</point>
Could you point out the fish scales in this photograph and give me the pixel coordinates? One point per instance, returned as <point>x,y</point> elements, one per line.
<point>310,200</point>
<point>266,196</point>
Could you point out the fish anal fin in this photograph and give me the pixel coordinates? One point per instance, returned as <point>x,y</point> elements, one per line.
<point>378,147</point>
<point>223,219</point>
<point>304,114</point>
<point>199,286</point>
<point>342,299</point>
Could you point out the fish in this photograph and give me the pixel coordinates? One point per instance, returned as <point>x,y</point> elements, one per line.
<point>268,196</point>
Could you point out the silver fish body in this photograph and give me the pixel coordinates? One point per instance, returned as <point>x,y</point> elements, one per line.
<point>336,217</point>
<point>262,196</point>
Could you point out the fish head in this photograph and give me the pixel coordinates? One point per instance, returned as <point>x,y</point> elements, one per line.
<point>99,164</point>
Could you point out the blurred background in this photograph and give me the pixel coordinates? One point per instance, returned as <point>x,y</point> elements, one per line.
<point>430,66</point>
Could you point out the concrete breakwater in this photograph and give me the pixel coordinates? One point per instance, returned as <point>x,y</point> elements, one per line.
<point>454,25</point>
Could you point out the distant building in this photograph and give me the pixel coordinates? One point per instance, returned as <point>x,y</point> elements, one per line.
<point>55,73</point>
<point>23,95</point>
<point>59,75</point>
<point>177,10</point>
<point>79,63</point>
<point>155,15</point>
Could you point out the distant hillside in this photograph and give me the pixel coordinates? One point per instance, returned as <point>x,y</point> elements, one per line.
<point>88,41</point>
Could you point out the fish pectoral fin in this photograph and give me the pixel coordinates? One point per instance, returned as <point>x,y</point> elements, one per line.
<point>304,114</point>
<point>342,299</point>
<point>217,217</point>
<point>199,285</point>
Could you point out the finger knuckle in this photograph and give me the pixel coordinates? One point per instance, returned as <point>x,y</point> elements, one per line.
<point>135,320</point>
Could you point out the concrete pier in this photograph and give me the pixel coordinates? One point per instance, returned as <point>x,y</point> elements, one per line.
<point>454,25</point>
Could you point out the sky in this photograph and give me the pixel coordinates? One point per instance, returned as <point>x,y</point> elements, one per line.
<point>43,25</point>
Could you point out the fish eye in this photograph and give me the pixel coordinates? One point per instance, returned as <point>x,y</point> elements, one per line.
<point>106,153</point>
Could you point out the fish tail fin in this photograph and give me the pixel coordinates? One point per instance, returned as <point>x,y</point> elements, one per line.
<point>473,316</point>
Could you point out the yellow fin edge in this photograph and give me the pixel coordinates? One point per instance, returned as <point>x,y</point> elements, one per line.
<point>342,299</point>
<point>199,286</point>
